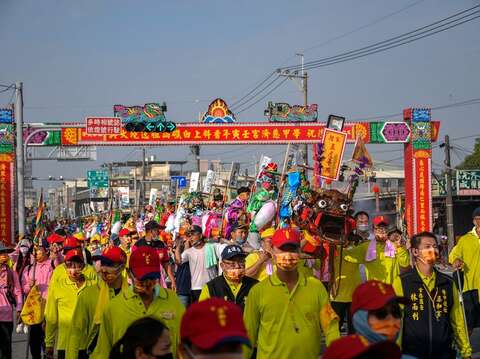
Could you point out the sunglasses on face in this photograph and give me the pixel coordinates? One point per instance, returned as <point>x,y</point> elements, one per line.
<point>392,308</point>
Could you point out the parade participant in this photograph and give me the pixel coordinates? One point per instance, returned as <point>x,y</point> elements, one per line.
<point>195,255</point>
<point>286,314</point>
<point>152,229</point>
<point>376,313</point>
<point>183,278</point>
<point>465,256</point>
<point>125,240</point>
<point>10,299</point>
<point>361,232</point>
<point>144,338</point>
<point>382,258</point>
<point>61,300</point>
<point>259,264</point>
<point>434,319</point>
<point>38,274</point>
<point>92,301</point>
<point>56,248</point>
<point>144,298</point>
<point>212,329</point>
<point>236,209</point>
<point>232,285</point>
<point>357,347</point>
<point>22,257</point>
<point>60,273</point>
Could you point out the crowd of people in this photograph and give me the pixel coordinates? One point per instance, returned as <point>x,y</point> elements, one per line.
<point>156,286</point>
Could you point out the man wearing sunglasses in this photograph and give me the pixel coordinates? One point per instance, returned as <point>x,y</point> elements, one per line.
<point>92,301</point>
<point>145,297</point>
<point>433,320</point>
<point>232,285</point>
<point>381,257</point>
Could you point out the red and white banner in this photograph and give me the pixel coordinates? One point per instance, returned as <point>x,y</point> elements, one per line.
<point>103,125</point>
<point>6,198</point>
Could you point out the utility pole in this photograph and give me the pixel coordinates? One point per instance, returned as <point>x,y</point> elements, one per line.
<point>142,192</point>
<point>20,159</point>
<point>303,76</point>
<point>196,154</point>
<point>449,199</point>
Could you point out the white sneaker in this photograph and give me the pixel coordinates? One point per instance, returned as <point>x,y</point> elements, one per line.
<point>19,328</point>
<point>25,329</point>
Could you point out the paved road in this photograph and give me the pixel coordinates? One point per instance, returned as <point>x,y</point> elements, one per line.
<point>20,344</point>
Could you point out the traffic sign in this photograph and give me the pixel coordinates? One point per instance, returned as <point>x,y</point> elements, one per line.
<point>468,183</point>
<point>182,181</point>
<point>98,179</point>
<point>395,132</point>
<point>103,125</point>
<point>6,115</point>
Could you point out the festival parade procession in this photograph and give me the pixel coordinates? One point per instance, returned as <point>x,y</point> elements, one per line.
<point>231,226</point>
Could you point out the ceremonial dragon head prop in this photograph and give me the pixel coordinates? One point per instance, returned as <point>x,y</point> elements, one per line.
<point>326,214</point>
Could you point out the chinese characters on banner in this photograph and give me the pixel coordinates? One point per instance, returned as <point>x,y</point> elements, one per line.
<point>418,166</point>
<point>103,125</point>
<point>333,148</point>
<point>6,191</point>
<point>238,133</point>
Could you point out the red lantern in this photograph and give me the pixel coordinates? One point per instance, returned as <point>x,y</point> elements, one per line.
<point>376,189</point>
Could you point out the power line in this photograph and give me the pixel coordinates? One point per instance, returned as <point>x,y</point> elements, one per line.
<point>258,93</point>
<point>261,98</point>
<point>374,22</point>
<point>393,42</point>
<point>233,104</point>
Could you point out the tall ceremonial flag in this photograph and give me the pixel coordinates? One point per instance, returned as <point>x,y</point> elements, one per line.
<point>39,222</point>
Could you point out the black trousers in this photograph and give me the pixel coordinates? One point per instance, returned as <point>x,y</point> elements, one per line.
<point>36,341</point>
<point>343,312</point>
<point>6,331</point>
<point>195,294</point>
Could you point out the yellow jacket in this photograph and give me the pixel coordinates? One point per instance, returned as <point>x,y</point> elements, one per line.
<point>127,307</point>
<point>468,250</point>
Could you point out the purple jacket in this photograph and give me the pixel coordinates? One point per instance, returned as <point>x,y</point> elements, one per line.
<point>9,276</point>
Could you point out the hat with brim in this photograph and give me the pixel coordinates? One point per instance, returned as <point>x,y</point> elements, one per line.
<point>353,346</point>
<point>74,255</point>
<point>5,249</point>
<point>144,263</point>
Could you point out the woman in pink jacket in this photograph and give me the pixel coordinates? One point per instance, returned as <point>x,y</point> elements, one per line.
<point>39,274</point>
<point>10,298</point>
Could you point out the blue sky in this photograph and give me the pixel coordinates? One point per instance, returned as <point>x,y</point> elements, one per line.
<point>79,58</point>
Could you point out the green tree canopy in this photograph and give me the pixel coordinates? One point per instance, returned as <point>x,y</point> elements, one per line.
<point>472,162</point>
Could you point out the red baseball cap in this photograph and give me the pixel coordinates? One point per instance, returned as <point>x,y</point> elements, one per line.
<point>145,263</point>
<point>213,322</point>
<point>55,238</point>
<point>380,220</point>
<point>113,255</point>
<point>73,253</point>
<point>373,295</point>
<point>71,243</point>
<point>352,346</point>
<point>285,236</point>
<point>123,232</point>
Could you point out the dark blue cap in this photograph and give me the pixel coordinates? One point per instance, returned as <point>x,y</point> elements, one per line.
<point>476,212</point>
<point>231,251</point>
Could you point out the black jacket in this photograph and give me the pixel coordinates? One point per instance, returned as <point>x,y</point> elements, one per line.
<point>218,287</point>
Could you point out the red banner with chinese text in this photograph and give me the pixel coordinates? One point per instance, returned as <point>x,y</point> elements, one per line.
<point>6,197</point>
<point>333,149</point>
<point>236,133</point>
<point>422,166</point>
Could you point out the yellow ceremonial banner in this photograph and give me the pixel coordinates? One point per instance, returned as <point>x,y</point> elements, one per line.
<point>33,309</point>
<point>332,154</point>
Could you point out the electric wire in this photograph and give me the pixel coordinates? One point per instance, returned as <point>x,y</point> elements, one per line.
<point>264,96</point>
<point>257,93</point>
<point>233,104</point>
<point>391,42</point>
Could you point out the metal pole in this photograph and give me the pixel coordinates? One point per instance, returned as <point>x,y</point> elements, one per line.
<point>449,199</point>
<point>20,161</point>
<point>75,200</point>
<point>305,102</point>
<point>142,192</point>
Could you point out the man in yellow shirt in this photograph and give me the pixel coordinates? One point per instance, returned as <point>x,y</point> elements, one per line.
<point>61,300</point>
<point>259,264</point>
<point>146,298</point>
<point>286,313</point>
<point>466,256</point>
<point>92,301</point>
<point>232,285</point>
<point>381,257</point>
<point>433,320</point>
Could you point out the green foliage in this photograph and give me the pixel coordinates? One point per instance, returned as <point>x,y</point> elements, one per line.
<point>472,162</point>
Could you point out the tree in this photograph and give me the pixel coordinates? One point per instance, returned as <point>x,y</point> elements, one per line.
<point>472,162</point>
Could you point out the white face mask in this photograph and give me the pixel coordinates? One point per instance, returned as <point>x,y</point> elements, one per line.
<point>24,250</point>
